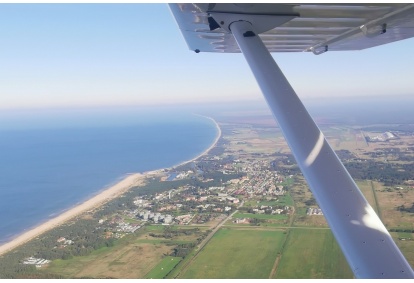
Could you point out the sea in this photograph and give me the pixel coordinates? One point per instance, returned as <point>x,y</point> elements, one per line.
<point>52,160</point>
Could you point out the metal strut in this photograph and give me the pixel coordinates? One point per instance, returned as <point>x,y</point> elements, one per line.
<point>364,240</point>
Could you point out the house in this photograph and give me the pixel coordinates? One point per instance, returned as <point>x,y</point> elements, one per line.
<point>61,239</point>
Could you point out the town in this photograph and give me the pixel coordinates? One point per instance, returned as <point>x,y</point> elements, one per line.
<point>189,204</point>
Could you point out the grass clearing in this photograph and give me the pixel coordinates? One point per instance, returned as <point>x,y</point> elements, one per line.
<point>237,254</point>
<point>389,201</point>
<point>405,242</point>
<point>285,199</point>
<point>127,259</point>
<point>312,253</point>
<point>154,228</point>
<point>366,189</point>
<point>163,268</point>
<point>317,221</point>
<point>404,235</point>
<point>301,211</point>
<point>261,216</point>
<point>272,203</point>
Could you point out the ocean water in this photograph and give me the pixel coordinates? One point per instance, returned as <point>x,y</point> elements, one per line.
<point>53,160</point>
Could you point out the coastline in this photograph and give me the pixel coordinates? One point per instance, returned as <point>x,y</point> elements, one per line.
<point>205,151</point>
<point>132,180</point>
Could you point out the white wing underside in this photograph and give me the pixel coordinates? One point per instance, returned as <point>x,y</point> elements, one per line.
<point>315,26</point>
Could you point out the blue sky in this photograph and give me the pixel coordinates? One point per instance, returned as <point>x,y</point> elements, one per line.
<point>81,55</point>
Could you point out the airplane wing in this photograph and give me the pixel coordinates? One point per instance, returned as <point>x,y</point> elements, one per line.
<point>256,29</point>
<point>313,26</point>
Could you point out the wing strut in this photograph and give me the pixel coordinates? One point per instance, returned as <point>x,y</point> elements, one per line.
<point>363,238</point>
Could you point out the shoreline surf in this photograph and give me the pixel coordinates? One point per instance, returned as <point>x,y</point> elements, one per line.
<point>107,194</point>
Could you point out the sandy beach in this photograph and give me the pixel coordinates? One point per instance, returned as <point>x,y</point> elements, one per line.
<point>106,195</point>
<point>112,192</point>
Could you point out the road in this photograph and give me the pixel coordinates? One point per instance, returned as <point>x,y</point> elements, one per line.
<point>205,241</point>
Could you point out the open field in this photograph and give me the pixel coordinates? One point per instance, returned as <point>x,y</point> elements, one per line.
<point>134,256</point>
<point>257,140</point>
<point>236,254</point>
<point>163,268</point>
<point>389,200</point>
<point>366,188</point>
<point>285,200</point>
<point>310,221</point>
<point>270,133</point>
<point>342,137</point>
<point>301,194</point>
<point>261,216</point>
<point>127,259</point>
<point>406,245</point>
<point>312,253</point>
<point>281,200</point>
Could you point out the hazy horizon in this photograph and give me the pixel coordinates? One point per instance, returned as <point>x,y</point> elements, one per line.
<point>96,55</point>
<point>351,110</point>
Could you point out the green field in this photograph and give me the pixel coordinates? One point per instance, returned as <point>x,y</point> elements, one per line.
<point>268,203</point>
<point>129,258</point>
<point>261,216</point>
<point>285,199</point>
<point>312,253</point>
<point>405,242</point>
<point>237,254</point>
<point>163,268</point>
<point>69,268</point>
<point>287,182</point>
<point>367,190</point>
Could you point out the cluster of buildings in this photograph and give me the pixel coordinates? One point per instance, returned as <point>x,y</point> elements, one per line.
<point>187,200</point>
<point>259,180</point>
<point>127,227</point>
<point>314,211</point>
<point>38,262</point>
<point>155,217</point>
<point>382,137</point>
<point>181,205</point>
<point>63,242</point>
<point>184,219</point>
<point>119,226</point>
<point>263,208</point>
